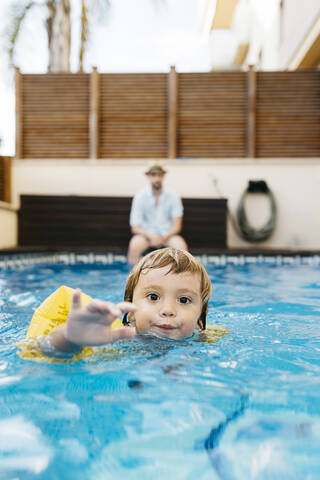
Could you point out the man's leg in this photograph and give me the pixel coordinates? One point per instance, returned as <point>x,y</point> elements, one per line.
<point>137,245</point>
<point>177,242</point>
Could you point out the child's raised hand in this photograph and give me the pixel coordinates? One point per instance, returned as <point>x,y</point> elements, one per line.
<point>91,324</point>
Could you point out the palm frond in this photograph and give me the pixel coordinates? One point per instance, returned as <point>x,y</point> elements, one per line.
<point>19,13</point>
<point>84,33</point>
<point>91,11</point>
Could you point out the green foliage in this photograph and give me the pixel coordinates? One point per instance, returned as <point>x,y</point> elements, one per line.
<point>19,12</point>
<point>92,11</point>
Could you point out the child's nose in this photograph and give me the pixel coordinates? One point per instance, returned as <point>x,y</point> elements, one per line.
<point>168,309</point>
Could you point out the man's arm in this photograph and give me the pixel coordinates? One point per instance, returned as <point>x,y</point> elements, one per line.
<point>136,217</point>
<point>154,239</point>
<point>175,229</point>
<point>136,230</point>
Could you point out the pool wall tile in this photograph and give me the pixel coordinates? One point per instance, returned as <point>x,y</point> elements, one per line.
<point>19,261</point>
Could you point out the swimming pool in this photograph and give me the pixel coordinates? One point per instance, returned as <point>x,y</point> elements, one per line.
<point>244,407</point>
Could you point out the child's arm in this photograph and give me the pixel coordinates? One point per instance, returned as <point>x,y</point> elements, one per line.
<point>90,325</point>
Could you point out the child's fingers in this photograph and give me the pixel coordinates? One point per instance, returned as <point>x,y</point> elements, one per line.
<point>104,308</point>
<point>112,308</point>
<point>93,306</point>
<point>76,298</point>
<point>123,332</point>
<point>126,307</point>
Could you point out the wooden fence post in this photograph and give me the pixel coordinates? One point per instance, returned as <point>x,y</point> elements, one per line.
<point>94,114</point>
<point>19,113</point>
<point>172,112</point>
<point>251,118</point>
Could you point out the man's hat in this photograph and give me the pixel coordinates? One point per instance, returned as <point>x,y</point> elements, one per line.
<point>155,167</point>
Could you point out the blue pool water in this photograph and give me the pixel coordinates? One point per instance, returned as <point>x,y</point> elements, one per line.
<point>244,407</point>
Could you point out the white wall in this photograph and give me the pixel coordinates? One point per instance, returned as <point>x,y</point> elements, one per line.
<point>264,34</point>
<point>297,19</point>
<point>8,226</point>
<point>255,22</point>
<point>295,184</point>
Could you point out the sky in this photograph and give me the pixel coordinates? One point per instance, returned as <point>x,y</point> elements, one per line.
<point>133,36</point>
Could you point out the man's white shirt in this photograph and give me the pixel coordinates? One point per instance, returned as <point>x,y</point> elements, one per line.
<point>155,218</point>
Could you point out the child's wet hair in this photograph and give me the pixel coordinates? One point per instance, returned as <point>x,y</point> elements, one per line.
<point>179,261</point>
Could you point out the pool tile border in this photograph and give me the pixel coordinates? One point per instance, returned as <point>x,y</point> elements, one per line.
<point>19,261</point>
<point>222,260</point>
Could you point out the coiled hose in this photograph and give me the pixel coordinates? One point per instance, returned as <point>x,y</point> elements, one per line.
<point>246,230</point>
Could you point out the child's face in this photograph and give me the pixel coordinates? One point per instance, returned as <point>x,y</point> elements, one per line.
<point>168,304</point>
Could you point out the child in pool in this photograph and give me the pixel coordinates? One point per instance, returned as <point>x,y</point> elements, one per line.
<point>166,295</point>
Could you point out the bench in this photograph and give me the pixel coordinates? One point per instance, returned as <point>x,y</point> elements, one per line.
<point>64,222</point>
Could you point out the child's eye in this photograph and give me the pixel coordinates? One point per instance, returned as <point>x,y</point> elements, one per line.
<point>184,300</point>
<point>153,297</point>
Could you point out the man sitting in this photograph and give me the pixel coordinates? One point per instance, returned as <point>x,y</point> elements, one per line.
<point>156,217</point>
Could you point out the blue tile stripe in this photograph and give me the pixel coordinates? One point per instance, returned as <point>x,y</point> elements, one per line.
<point>222,260</point>
<point>22,260</point>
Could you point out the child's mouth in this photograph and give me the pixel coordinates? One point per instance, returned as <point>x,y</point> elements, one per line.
<point>166,326</point>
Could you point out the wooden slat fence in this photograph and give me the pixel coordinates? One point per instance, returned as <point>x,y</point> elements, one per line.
<point>133,116</point>
<point>212,112</point>
<point>288,114</point>
<point>192,115</point>
<point>55,116</point>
